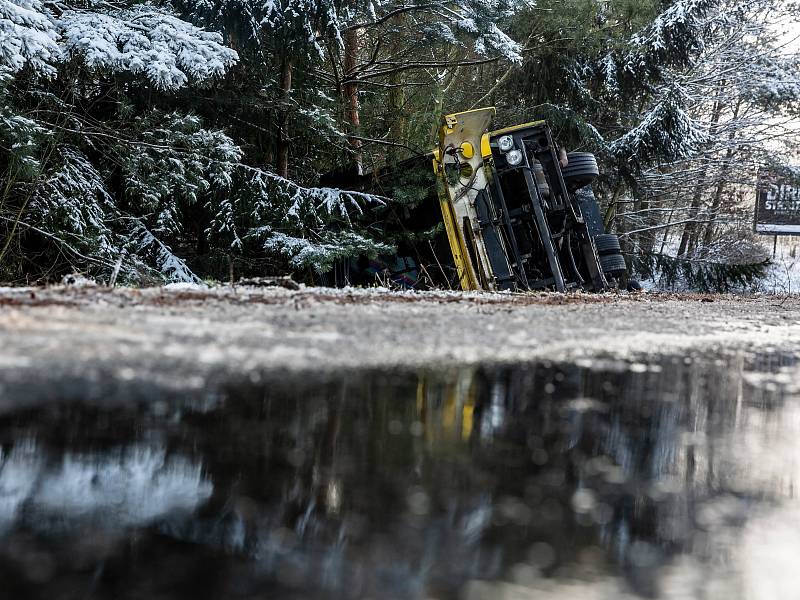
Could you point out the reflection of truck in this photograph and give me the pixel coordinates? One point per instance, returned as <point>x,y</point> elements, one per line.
<point>518,211</point>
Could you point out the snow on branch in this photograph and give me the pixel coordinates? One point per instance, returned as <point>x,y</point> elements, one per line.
<point>146,41</point>
<point>169,264</point>
<point>495,40</point>
<point>475,19</point>
<point>312,227</point>
<point>775,80</point>
<point>673,38</point>
<point>300,203</point>
<point>28,37</point>
<point>178,160</point>
<point>72,200</point>
<point>21,134</point>
<point>322,254</point>
<point>667,132</point>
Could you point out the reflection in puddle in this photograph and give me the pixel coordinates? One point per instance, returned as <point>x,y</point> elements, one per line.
<point>18,473</point>
<point>133,487</point>
<point>598,480</point>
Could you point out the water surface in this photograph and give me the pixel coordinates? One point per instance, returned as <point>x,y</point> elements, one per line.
<point>668,479</point>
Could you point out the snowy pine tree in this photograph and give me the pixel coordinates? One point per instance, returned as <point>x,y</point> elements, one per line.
<point>60,158</point>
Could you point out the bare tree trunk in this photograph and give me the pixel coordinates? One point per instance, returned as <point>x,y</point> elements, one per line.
<point>665,237</point>
<point>694,210</point>
<point>282,158</point>
<point>718,194</point>
<point>689,237</point>
<point>715,204</point>
<point>646,241</point>
<point>611,212</point>
<point>693,239</point>
<point>395,108</point>
<point>352,116</point>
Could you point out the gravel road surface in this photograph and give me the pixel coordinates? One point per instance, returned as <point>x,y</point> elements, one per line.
<point>97,343</point>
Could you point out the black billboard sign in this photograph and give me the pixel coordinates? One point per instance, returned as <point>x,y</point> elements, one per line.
<point>777,206</point>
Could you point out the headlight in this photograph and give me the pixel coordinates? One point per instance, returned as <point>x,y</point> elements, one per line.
<point>505,143</point>
<point>514,158</point>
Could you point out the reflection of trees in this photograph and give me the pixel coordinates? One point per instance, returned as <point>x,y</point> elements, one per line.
<point>19,471</point>
<point>124,488</point>
<point>659,456</point>
<point>400,485</point>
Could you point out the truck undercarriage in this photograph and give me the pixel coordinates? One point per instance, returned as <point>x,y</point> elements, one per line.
<point>513,212</point>
<point>518,213</point>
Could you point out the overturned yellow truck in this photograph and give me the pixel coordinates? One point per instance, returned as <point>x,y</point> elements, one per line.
<point>518,211</point>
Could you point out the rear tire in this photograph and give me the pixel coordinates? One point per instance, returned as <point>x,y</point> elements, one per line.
<point>614,265</point>
<point>581,170</point>
<point>607,244</point>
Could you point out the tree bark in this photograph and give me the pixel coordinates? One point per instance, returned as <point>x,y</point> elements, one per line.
<point>611,212</point>
<point>717,201</point>
<point>689,236</point>
<point>282,154</point>
<point>715,204</point>
<point>690,227</point>
<point>352,116</point>
<point>395,114</point>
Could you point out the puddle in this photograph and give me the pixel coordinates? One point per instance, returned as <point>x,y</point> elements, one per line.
<point>674,479</point>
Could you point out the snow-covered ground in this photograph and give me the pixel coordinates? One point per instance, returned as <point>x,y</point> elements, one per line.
<point>783,276</point>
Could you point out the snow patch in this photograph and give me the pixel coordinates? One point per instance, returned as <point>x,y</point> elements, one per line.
<point>28,36</point>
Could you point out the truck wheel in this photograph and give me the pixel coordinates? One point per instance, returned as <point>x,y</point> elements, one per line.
<point>581,170</point>
<point>607,244</point>
<point>613,265</point>
<point>581,158</point>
